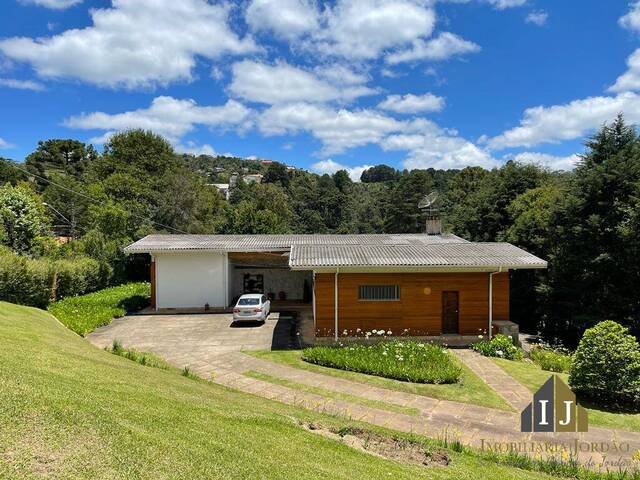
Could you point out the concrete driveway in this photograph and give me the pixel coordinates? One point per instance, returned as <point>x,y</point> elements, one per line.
<point>188,339</point>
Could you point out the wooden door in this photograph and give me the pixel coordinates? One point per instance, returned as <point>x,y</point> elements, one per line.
<point>450,312</point>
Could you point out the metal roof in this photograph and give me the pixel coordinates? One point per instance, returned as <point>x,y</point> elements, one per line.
<point>265,243</point>
<point>467,254</point>
<point>365,250</point>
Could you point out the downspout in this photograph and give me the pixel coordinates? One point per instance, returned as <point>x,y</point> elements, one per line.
<point>491,274</point>
<point>313,299</point>
<point>335,306</point>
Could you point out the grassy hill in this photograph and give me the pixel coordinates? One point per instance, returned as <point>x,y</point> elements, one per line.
<point>69,410</point>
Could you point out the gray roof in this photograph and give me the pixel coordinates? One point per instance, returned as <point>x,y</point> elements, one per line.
<point>365,250</point>
<point>479,255</point>
<point>261,243</point>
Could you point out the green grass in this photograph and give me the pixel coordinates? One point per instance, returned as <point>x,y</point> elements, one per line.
<point>85,313</point>
<point>405,360</point>
<point>532,377</point>
<point>333,394</point>
<point>146,359</point>
<point>469,389</point>
<point>69,410</point>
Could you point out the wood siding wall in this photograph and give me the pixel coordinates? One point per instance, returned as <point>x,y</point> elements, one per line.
<point>417,311</point>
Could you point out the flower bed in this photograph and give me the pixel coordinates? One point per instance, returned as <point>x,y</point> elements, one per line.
<point>405,360</point>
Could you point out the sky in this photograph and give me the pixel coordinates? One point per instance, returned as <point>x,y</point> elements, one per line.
<point>323,85</point>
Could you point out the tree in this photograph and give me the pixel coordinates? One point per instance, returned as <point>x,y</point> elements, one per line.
<point>404,216</point>
<point>9,173</point>
<point>60,156</point>
<point>277,173</point>
<point>22,218</point>
<point>379,173</point>
<point>596,266</point>
<point>342,181</point>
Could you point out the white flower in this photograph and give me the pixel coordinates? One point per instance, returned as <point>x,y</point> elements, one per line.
<point>480,337</point>
<point>379,332</point>
<point>358,330</point>
<point>388,332</point>
<point>499,353</point>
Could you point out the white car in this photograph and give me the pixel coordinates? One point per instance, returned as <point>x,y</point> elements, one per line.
<point>252,307</point>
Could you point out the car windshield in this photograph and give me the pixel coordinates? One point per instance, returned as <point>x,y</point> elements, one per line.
<point>249,301</point>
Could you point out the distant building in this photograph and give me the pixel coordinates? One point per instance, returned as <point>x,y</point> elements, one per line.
<point>253,178</point>
<point>233,180</point>
<point>223,188</point>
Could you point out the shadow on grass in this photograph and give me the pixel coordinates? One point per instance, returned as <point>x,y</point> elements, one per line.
<point>134,303</point>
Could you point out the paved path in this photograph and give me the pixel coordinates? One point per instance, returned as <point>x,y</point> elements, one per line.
<point>211,348</point>
<point>472,425</point>
<point>200,335</point>
<point>516,394</point>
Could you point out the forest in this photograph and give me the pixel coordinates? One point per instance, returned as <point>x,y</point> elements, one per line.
<point>67,211</point>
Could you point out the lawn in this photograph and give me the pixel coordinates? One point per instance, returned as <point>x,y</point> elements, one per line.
<point>532,377</point>
<point>406,360</point>
<point>84,313</point>
<point>340,396</point>
<point>69,410</point>
<point>470,388</point>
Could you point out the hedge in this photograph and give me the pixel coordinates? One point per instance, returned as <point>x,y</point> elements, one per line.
<point>37,282</point>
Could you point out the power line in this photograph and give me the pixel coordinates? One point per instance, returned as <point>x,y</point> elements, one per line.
<point>101,202</point>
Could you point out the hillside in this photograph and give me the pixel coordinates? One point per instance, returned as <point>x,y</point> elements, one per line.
<point>68,410</point>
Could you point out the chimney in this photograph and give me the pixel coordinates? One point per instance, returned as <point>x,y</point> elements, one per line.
<point>434,225</point>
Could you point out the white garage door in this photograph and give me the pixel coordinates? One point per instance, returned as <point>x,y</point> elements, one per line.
<point>190,279</point>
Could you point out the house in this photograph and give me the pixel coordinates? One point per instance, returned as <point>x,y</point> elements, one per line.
<point>223,188</point>
<point>413,284</point>
<point>253,178</point>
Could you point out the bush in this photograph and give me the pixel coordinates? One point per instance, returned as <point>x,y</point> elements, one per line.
<point>401,360</point>
<point>85,313</point>
<point>36,282</point>
<point>606,366</point>
<point>499,346</point>
<point>551,360</point>
<point>25,281</point>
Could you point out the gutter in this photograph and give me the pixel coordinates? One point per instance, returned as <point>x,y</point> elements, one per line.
<point>491,274</point>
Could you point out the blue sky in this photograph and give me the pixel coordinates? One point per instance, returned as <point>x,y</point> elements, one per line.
<point>323,85</point>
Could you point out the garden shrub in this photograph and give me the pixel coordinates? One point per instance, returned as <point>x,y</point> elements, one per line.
<point>25,281</point>
<point>85,313</point>
<point>36,282</point>
<point>499,346</point>
<point>401,360</point>
<point>551,360</point>
<point>606,366</point>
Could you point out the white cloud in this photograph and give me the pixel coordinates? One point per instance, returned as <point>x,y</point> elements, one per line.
<point>21,84</point>
<point>166,116</point>
<point>433,147</point>
<point>286,18</point>
<point>631,21</point>
<point>338,74</point>
<point>338,130</point>
<point>569,121</point>
<point>537,17</point>
<point>363,29</point>
<point>195,149</point>
<point>413,103</point>
<point>280,83</point>
<point>441,47</point>
<point>55,4</point>
<point>504,4</point>
<point>4,145</point>
<point>552,162</point>
<point>330,167</point>
<point>136,43</point>
<point>629,80</point>
<point>102,139</point>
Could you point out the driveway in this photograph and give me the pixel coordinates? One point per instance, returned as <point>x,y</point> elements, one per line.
<point>189,339</point>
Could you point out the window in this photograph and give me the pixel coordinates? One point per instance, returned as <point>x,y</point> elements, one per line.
<point>379,292</point>
<point>249,301</point>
